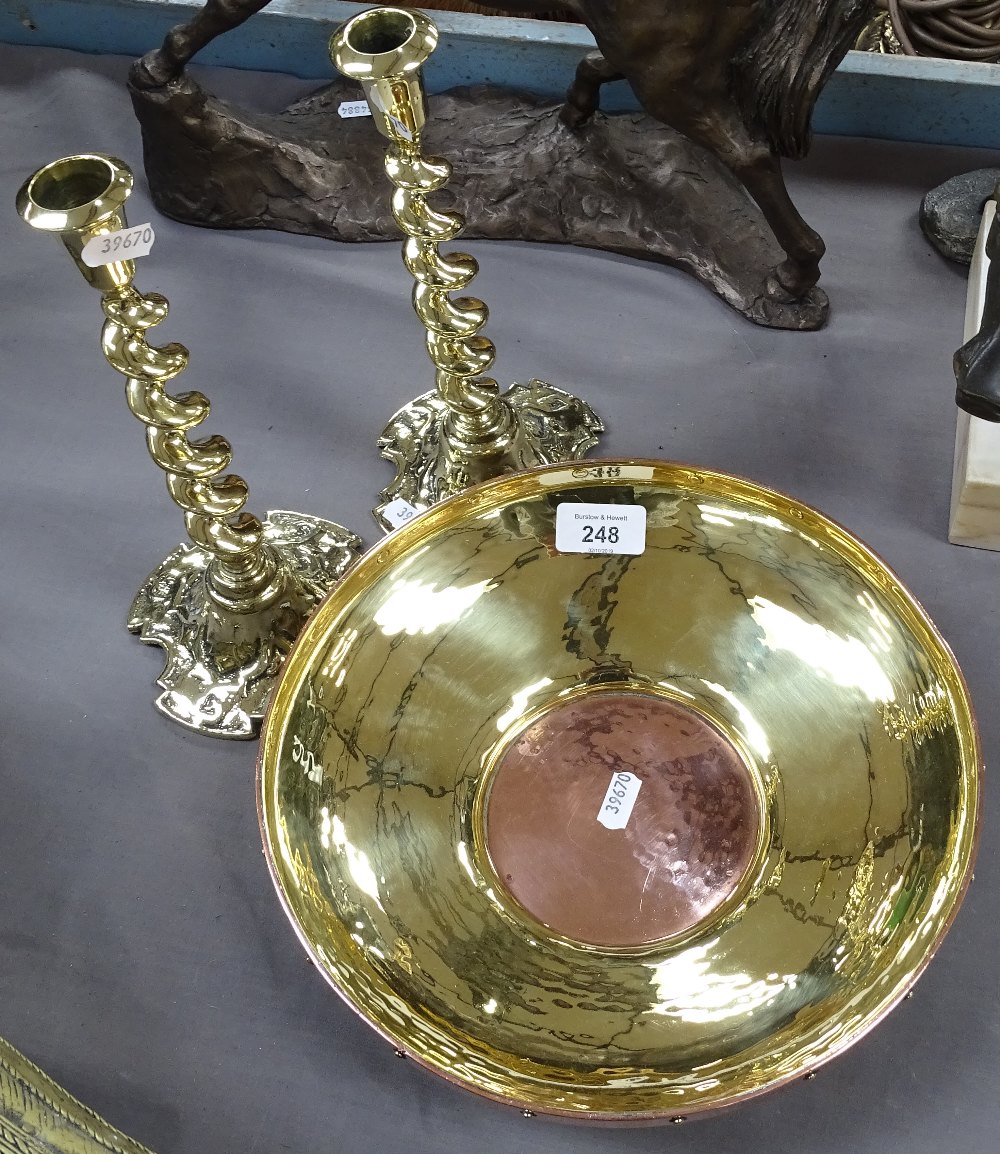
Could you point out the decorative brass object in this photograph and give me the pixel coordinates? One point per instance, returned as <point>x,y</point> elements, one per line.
<point>879,36</point>
<point>458,712</point>
<point>464,431</point>
<point>37,1116</point>
<point>227,608</point>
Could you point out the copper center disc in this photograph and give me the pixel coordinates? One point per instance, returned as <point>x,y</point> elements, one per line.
<point>687,843</point>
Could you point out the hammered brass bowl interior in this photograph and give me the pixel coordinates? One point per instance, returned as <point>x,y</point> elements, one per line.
<point>800,841</point>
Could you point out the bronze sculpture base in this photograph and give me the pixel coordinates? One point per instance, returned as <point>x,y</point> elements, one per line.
<point>623,183</point>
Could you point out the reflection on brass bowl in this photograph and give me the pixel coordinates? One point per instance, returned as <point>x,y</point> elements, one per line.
<point>779,744</point>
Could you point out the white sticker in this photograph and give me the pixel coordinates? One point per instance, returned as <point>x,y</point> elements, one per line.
<point>582,528</point>
<point>616,808</point>
<point>125,244</point>
<point>399,512</point>
<point>351,108</point>
<point>400,127</point>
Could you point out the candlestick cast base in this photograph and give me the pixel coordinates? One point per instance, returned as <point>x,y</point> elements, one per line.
<point>222,659</point>
<point>545,425</point>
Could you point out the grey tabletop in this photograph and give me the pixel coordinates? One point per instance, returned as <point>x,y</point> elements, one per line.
<point>144,959</point>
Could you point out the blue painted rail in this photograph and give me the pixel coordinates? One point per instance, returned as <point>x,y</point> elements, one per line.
<point>896,98</point>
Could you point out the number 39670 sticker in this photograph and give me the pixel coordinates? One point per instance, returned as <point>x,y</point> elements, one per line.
<point>584,528</point>
<point>124,244</point>
<point>619,801</point>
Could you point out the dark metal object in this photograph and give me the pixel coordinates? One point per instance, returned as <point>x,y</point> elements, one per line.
<point>951,213</point>
<point>953,29</point>
<point>736,79</point>
<point>185,40</point>
<point>740,79</point>
<point>308,171</point>
<point>977,362</point>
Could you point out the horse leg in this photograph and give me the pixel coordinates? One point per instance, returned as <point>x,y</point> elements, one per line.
<point>584,95</point>
<point>718,126</point>
<point>761,175</point>
<point>161,65</point>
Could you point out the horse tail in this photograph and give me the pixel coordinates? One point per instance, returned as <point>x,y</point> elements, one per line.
<point>790,53</point>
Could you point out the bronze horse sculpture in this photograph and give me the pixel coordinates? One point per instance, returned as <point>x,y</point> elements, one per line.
<point>739,78</point>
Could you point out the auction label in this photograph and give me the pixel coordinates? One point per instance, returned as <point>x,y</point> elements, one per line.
<point>400,127</point>
<point>399,512</point>
<point>582,528</point>
<point>349,108</point>
<point>618,802</point>
<point>125,244</point>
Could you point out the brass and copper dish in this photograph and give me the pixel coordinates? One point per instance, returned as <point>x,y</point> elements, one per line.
<point>458,711</point>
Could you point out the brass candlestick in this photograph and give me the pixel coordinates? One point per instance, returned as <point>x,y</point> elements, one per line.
<point>227,608</point>
<point>464,431</point>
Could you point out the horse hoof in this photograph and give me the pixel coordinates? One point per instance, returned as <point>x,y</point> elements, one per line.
<point>574,117</point>
<point>776,308</point>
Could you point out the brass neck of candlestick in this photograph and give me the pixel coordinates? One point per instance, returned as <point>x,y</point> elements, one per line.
<point>81,197</point>
<point>385,49</point>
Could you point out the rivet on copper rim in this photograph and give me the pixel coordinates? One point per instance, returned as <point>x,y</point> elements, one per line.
<point>398,1052</point>
<point>809,1077</point>
<point>678,1119</point>
<point>527,1113</point>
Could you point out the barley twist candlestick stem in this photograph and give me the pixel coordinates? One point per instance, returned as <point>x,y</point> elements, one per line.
<point>227,607</point>
<point>466,430</point>
<point>244,567</point>
<point>476,414</point>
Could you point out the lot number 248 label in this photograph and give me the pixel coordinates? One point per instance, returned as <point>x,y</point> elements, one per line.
<point>586,528</point>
